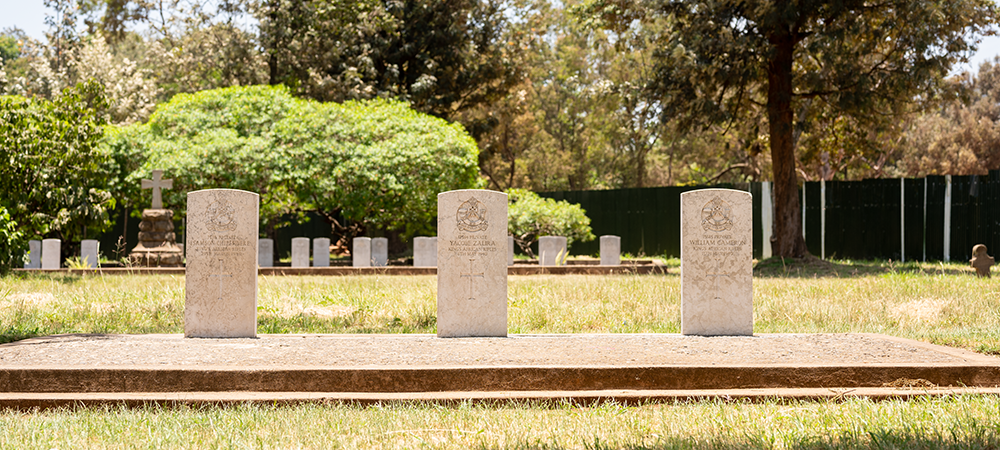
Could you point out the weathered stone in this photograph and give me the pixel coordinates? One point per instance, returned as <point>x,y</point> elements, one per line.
<point>34,255</point>
<point>380,252</point>
<point>221,275</point>
<point>157,243</point>
<point>716,262</point>
<point>361,253</point>
<point>472,263</point>
<point>300,252</point>
<point>321,252</point>
<point>156,184</point>
<point>265,252</point>
<point>89,251</point>
<point>981,261</point>
<point>424,251</point>
<point>51,256</point>
<point>552,251</point>
<point>510,250</point>
<point>611,248</point>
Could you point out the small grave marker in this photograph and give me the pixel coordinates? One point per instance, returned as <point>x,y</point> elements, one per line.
<point>321,252</point>
<point>51,253</point>
<point>380,252</point>
<point>552,251</point>
<point>981,261</point>
<point>300,252</point>
<point>361,253</point>
<point>89,251</point>
<point>34,255</point>
<point>425,251</point>
<point>265,252</point>
<point>611,249</point>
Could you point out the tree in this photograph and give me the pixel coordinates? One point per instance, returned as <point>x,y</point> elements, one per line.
<point>871,61</point>
<point>530,216</point>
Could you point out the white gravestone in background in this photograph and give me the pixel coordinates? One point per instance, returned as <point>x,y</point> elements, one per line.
<point>361,253</point>
<point>380,252</point>
<point>321,252</point>
<point>300,252</point>
<point>51,249</point>
<point>34,255</point>
<point>716,262</point>
<point>611,250</point>
<point>89,249</point>
<point>510,250</point>
<point>265,252</point>
<point>425,251</point>
<point>220,298</point>
<point>552,250</point>
<point>472,263</point>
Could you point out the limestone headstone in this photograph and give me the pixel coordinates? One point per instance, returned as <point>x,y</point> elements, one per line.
<point>51,249</point>
<point>265,252</point>
<point>361,253</point>
<point>611,250</point>
<point>220,298</point>
<point>552,250</point>
<point>321,252</point>
<point>510,250</point>
<point>89,251</point>
<point>981,261</point>
<point>425,251</point>
<point>472,263</point>
<point>34,255</point>
<point>716,262</point>
<point>300,252</point>
<point>380,252</point>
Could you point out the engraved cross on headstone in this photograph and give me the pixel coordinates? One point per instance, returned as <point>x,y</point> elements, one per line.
<point>156,184</point>
<point>470,276</point>
<point>220,275</point>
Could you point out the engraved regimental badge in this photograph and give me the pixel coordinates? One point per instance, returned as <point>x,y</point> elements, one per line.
<point>472,216</point>
<point>715,216</point>
<point>221,216</point>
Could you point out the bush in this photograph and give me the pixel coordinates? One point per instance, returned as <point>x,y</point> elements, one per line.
<point>12,244</point>
<point>530,216</point>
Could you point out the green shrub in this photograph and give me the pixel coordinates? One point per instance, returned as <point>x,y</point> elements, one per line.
<point>530,216</point>
<point>12,243</point>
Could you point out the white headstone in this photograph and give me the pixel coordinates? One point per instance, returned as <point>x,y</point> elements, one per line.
<point>34,255</point>
<point>220,298</point>
<point>321,252</point>
<point>510,250</point>
<point>89,250</point>
<point>425,251</point>
<point>611,249</point>
<point>51,249</point>
<point>472,263</point>
<point>265,252</point>
<point>380,252</point>
<point>361,253</point>
<point>552,251</point>
<point>716,262</point>
<point>300,252</point>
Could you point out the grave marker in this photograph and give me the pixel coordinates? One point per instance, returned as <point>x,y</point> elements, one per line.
<point>321,252</point>
<point>380,252</point>
<point>300,252</point>
<point>510,250</point>
<point>552,251</point>
<point>51,256</point>
<point>611,247</point>
<point>425,251</point>
<point>34,255</point>
<point>89,250</point>
<point>220,298</point>
<point>716,262</point>
<point>361,253</point>
<point>472,263</point>
<point>981,261</point>
<point>265,252</point>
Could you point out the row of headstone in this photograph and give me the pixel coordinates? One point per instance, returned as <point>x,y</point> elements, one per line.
<point>46,254</point>
<point>716,271</point>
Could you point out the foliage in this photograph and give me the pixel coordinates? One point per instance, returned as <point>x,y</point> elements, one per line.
<point>530,216</point>
<point>131,94</point>
<point>52,180</point>
<point>12,243</point>
<point>374,163</point>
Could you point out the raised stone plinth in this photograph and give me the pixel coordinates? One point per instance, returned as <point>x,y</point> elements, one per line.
<point>157,242</point>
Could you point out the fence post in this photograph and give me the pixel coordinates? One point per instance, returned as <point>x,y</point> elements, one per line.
<point>822,218</point>
<point>947,218</point>
<point>902,220</point>
<point>803,210</point>
<point>766,219</point>
<point>923,241</point>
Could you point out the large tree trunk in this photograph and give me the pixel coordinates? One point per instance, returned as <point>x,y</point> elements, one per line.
<point>787,240</point>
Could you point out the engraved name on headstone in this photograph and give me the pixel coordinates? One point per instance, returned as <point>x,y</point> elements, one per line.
<point>716,262</point>
<point>221,276</point>
<point>472,263</point>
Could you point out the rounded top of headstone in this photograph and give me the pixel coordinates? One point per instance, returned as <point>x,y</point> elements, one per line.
<point>472,191</point>
<point>223,191</point>
<point>717,191</point>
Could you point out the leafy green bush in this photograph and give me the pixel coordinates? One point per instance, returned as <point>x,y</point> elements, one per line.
<point>12,243</point>
<point>530,216</point>
<point>375,163</point>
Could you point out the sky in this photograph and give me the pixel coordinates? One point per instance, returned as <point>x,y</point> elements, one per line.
<point>29,15</point>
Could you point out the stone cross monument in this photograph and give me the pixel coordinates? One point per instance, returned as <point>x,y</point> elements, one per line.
<point>157,242</point>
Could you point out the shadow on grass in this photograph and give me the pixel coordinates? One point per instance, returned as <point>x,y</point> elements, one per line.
<point>813,267</point>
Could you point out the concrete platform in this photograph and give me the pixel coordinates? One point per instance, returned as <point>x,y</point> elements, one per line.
<point>525,269</point>
<point>582,368</point>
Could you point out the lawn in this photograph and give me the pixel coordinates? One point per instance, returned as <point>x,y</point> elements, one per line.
<point>939,303</point>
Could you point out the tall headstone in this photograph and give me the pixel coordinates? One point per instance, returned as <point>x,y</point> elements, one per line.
<point>89,251</point>
<point>34,255</point>
<point>220,298</point>
<point>380,252</point>
<point>51,256</point>
<point>716,262</point>
<point>552,250</point>
<point>157,242</point>
<point>300,252</point>
<point>472,263</point>
<point>611,250</point>
<point>425,251</point>
<point>510,250</point>
<point>321,252</point>
<point>265,252</point>
<point>361,253</point>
